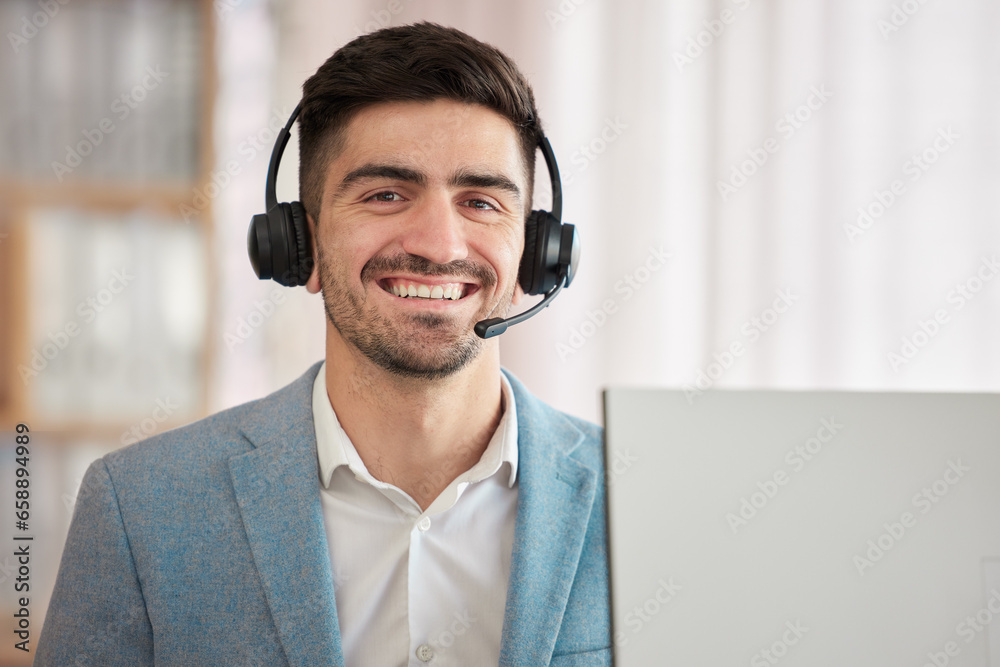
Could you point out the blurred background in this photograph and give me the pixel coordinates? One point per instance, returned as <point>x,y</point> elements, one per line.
<point>769,194</point>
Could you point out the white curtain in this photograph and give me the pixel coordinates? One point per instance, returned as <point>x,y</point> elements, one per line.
<point>769,194</point>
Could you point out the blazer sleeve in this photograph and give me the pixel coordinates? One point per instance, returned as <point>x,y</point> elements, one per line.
<point>97,615</point>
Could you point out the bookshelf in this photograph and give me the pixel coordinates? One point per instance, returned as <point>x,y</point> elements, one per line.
<point>105,284</point>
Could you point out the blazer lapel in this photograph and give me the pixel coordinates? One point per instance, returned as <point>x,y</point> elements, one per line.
<point>555,496</point>
<point>277,489</point>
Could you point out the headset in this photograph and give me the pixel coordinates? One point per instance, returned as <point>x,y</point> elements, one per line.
<point>280,248</point>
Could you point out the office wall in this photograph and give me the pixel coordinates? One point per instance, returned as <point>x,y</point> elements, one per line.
<point>769,194</point>
<point>808,184</point>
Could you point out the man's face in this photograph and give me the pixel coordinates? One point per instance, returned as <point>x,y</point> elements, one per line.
<point>421,232</point>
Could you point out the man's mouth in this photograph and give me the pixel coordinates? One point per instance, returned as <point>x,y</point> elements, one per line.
<point>411,289</point>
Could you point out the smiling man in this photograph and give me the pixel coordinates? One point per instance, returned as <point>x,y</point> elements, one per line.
<point>406,501</point>
<point>416,242</point>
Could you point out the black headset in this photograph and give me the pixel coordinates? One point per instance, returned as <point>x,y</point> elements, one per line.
<point>280,248</point>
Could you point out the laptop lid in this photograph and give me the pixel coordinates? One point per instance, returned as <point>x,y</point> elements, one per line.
<point>803,528</point>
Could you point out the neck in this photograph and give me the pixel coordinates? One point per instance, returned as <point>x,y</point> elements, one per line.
<point>417,434</point>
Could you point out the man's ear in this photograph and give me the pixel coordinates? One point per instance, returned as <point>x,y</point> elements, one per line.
<point>518,294</point>
<point>312,284</point>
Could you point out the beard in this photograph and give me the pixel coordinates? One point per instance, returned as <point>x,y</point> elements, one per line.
<point>423,346</point>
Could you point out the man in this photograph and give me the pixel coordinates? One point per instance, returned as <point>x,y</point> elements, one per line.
<point>405,502</point>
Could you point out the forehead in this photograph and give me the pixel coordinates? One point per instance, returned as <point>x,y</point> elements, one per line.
<point>437,138</point>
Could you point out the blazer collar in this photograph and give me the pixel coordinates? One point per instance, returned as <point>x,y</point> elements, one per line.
<point>555,497</point>
<point>277,490</point>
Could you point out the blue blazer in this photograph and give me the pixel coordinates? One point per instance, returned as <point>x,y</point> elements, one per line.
<point>206,546</point>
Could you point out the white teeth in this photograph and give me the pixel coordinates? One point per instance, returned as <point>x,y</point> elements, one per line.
<point>450,292</point>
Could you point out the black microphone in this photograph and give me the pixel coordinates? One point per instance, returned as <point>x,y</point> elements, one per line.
<point>497,325</point>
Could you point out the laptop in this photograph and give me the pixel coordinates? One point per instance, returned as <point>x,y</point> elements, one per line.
<point>803,528</point>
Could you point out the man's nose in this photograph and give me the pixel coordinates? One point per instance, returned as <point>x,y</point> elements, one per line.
<point>436,230</point>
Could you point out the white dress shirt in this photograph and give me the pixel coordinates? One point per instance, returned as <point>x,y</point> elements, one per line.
<point>418,587</point>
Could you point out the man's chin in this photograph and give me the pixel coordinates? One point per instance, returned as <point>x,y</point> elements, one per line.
<point>431,348</point>
<point>418,364</point>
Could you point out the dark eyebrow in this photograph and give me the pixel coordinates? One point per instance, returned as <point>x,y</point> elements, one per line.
<point>470,179</point>
<point>381,171</point>
<point>461,179</point>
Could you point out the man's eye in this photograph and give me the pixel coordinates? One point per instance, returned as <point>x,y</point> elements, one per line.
<point>481,205</point>
<point>384,196</point>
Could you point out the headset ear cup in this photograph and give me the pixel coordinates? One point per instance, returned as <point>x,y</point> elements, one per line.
<point>543,272</point>
<point>279,220</point>
<point>259,246</point>
<point>278,252</point>
<point>300,253</point>
<point>569,252</point>
<point>526,272</point>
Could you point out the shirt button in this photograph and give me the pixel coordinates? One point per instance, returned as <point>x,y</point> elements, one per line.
<point>425,653</point>
<point>424,524</point>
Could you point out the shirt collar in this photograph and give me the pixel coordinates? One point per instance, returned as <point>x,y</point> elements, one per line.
<point>335,449</point>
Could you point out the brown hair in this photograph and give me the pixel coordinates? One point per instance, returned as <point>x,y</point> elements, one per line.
<point>419,62</point>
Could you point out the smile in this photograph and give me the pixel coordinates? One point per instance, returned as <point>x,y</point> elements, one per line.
<point>411,289</point>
